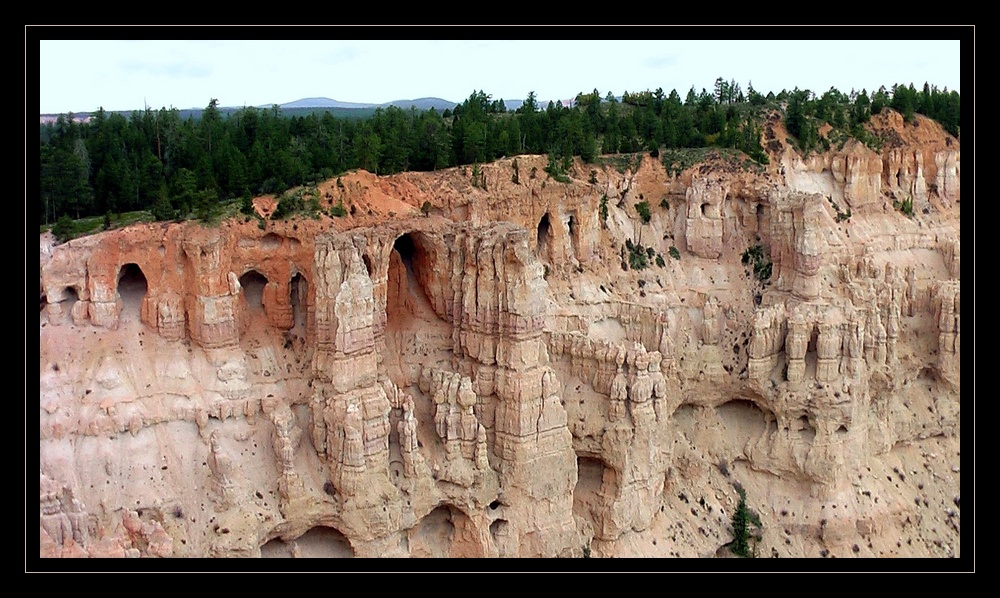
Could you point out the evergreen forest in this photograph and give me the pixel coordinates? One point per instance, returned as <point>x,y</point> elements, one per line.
<point>176,168</point>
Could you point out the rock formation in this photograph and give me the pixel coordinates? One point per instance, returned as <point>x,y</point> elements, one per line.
<point>489,380</point>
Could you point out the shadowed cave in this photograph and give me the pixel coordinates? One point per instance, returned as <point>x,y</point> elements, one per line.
<point>596,487</point>
<point>544,239</point>
<point>298,290</point>
<point>69,300</point>
<point>131,288</point>
<point>318,542</point>
<point>415,333</point>
<point>252,320</point>
<point>725,431</point>
<point>445,532</point>
<point>253,283</point>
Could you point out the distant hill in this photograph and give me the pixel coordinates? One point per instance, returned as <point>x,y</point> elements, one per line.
<point>310,105</point>
<point>512,105</point>
<point>303,107</point>
<point>424,104</point>
<point>320,103</point>
<point>419,103</point>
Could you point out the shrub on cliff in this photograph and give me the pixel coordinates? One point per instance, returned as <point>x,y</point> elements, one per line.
<point>741,527</point>
<point>761,264</point>
<point>744,542</point>
<point>338,211</point>
<point>642,208</point>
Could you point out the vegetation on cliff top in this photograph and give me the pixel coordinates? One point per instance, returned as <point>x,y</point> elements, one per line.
<point>174,168</point>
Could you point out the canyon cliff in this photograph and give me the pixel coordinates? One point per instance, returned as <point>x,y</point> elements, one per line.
<point>490,362</point>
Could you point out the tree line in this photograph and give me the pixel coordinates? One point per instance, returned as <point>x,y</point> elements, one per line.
<point>155,160</point>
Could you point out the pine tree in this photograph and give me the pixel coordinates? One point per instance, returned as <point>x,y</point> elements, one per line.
<point>741,526</point>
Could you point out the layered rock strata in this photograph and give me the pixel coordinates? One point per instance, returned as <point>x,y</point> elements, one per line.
<point>494,379</point>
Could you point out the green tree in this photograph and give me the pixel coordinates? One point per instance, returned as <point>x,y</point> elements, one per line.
<point>879,101</point>
<point>207,207</point>
<point>530,104</point>
<point>861,112</point>
<point>795,117</point>
<point>721,90</point>
<point>184,188</point>
<point>161,209</point>
<point>755,98</point>
<point>63,229</point>
<point>797,121</point>
<point>741,526</point>
<point>904,101</point>
<point>367,148</point>
<point>642,208</point>
<point>743,534</point>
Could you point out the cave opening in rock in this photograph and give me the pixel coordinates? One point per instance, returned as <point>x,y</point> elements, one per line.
<point>498,529</point>
<point>70,297</point>
<point>368,264</point>
<point>131,288</point>
<point>318,542</point>
<point>805,429</point>
<point>572,233</point>
<point>760,218</point>
<point>298,290</point>
<point>596,486</point>
<point>250,308</point>
<point>811,352</point>
<point>743,423</point>
<point>253,283</point>
<point>445,532</point>
<point>417,333</point>
<point>270,241</point>
<point>544,237</point>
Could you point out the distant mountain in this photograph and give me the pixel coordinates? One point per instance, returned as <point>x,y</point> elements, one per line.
<point>312,104</point>
<point>512,105</point>
<point>424,104</point>
<point>420,104</point>
<point>321,103</point>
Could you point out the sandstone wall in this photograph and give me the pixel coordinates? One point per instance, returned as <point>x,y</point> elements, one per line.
<point>494,379</point>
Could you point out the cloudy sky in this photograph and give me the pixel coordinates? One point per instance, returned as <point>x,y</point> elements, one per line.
<point>82,75</point>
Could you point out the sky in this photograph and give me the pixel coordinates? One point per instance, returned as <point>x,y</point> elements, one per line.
<point>83,75</point>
